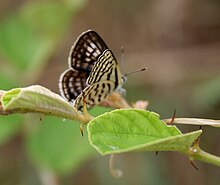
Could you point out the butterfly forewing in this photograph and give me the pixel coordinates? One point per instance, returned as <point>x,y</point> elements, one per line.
<point>106,68</point>
<point>86,51</point>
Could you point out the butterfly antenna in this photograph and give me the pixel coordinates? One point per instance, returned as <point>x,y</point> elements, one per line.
<point>135,71</point>
<point>122,53</point>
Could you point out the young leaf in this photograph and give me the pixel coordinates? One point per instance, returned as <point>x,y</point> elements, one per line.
<point>36,99</point>
<point>136,130</point>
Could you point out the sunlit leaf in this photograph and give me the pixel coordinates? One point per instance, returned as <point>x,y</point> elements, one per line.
<point>136,130</point>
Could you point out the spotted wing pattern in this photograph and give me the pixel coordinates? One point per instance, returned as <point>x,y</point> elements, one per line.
<point>104,78</point>
<point>106,68</point>
<point>83,55</point>
<point>94,94</point>
<point>93,72</point>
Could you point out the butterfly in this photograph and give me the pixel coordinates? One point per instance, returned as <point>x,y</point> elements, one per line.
<point>93,72</point>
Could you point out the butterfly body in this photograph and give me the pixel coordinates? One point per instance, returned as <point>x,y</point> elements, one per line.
<point>93,72</point>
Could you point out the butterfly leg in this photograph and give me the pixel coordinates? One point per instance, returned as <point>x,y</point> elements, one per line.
<point>81,129</point>
<point>86,115</point>
<point>85,112</point>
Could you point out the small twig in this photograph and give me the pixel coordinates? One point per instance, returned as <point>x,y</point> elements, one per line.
<point>114,172</point>
<point>173,117</point>
<point>194,121</point>
<point>193,164</point>
<point>48,177</point>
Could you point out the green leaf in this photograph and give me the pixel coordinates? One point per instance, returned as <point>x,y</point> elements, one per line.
<point>9,96</point>
<point>36,99</point>
<point>58,145</point>
<point>136,130</point>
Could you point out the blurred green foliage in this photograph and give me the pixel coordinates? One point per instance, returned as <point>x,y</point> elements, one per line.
<point>29,35</point>
<point>28,39</point>
<point>58,145</point>
<point>9,126</point>
<point>206,94</point>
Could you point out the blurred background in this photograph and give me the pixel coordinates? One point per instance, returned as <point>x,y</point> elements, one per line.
<point>177,40</point>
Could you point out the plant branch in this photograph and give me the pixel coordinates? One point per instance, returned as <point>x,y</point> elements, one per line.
<point>195,153</point>
<point>194,121</point>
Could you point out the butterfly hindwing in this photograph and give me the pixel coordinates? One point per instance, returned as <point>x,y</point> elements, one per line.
<point>94,94</point>
<point>72,83</point>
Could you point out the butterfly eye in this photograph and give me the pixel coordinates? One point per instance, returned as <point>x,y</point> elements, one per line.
<point>124,78</point>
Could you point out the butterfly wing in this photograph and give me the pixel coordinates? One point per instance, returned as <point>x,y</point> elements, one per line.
<point>72,83</point>
<point>83,55</point>
<point>90,59</point>
<point>86,51</point>
<point>94,94</point>
<point>106,68</point>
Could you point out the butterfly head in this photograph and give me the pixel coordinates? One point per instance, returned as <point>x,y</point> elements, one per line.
<point>124,79</point>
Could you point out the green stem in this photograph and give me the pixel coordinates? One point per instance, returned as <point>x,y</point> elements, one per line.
<point>206,157</point>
